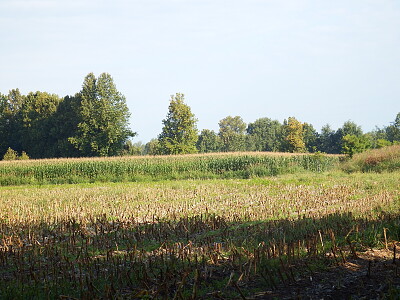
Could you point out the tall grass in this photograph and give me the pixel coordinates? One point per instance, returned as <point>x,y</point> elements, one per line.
<point>231,165</point>
<point>377,160</point>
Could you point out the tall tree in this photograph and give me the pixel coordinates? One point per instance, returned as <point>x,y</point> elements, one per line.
<point>208,141</point>
<point>104,115</point>
<point>349,127</point>
<point>265,135</point>
<point>152,147</point>
<point>231,132</point>
<point>179,134</point>
<point>353,144</point>
<point>311,137</point>
<point>393,130</point>
<point>327,139</point>
<point>36,112</point>
<point>294,135</point>
<point>64,124</point>
<point>11,121</point>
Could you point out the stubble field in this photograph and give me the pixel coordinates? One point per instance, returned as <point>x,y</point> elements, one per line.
<point>256,238</point>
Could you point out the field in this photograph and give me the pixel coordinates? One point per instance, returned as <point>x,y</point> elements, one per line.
<point>231,231</point>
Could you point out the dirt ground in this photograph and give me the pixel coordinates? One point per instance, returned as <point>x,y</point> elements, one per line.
<point>373,274</point>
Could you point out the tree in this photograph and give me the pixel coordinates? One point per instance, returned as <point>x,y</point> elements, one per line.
<point>265,135</point>
<point>131,148</point>
<point>393,130</point>
<point>152,147</point>
<point>11,120</point>
<point>36,112</point>
<point>208,141</point>
<point>103,127</point>
<point>294,135</point>
<point>231,132</point>
<point>354,144</point>
<point>64,125</point>
<point>351,128</point>
<point>326,139</point>
<point>179,134</point>
<point>311,137</point>
<point>10,154</point>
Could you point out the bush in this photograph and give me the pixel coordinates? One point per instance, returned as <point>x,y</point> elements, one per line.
<point>10,154</point>
<point>23,156</point>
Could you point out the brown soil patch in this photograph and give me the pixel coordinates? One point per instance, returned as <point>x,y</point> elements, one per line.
<point>371,275</point>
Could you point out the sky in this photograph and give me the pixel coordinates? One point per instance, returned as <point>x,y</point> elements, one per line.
<point>323,62</point>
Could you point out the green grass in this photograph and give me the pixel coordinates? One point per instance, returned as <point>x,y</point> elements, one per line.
<point>386,159</point>
<point>140,169</point>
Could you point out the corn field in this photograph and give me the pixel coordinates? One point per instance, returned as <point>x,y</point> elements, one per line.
<point>122,169</point>
<point>188,239</point>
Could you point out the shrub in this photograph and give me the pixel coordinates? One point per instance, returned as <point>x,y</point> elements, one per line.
<point>23,156</point>
<point>10,154</point>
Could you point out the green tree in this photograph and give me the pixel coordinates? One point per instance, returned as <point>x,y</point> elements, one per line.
<point>36,111</point>
<point>104,118</point>
<point>179,134</point>
<point>152,147</point>
<point>311,137</point>
<point>232,134</point>
<point>11,120</point>
<point>354,144</point>
<point>10,154</point>
<point>208,141</point>
<point>131,148</point>
<point>294,135</point>
<point>350,128</point>
<point>265,135</point>
<point>63,125</point>
<point>393,130</point>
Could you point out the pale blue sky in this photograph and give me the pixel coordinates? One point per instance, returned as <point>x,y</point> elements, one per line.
<point>319,61</point>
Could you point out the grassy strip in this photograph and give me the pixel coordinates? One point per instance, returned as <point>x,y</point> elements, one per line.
<point>245,165</point>
<point>377,160</point>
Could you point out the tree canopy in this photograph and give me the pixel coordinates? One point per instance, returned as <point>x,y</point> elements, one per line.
<point>95,122</point>
<point>179,134</point>
<point>103,114</point>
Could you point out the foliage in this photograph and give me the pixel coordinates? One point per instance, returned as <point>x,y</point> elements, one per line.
<point>179,134</point>
<point>231,132</point>
<point>10,154</point>
<point>311,137</point>
<point>131,148</point>
<point>393,131</point>
<point>103,128</point>
<point>208,141</point>
<point>265,135</point>
<point>352,144</point>
<point>152,147</point>
<point>24,156</point>
<point>294,135</point>
<point>375,160</point>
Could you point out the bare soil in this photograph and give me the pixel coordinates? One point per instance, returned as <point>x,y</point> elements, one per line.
<point>373,274</point>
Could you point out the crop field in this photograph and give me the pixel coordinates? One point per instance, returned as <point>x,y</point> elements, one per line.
<point>200,237</point>
<point>125,169</point>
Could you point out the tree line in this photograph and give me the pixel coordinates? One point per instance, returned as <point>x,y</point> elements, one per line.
<point>95,122</point>
<point>179,135</point>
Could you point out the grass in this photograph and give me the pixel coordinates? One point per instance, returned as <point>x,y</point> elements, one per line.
<point>134,169</point>
<point>386,159</point>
